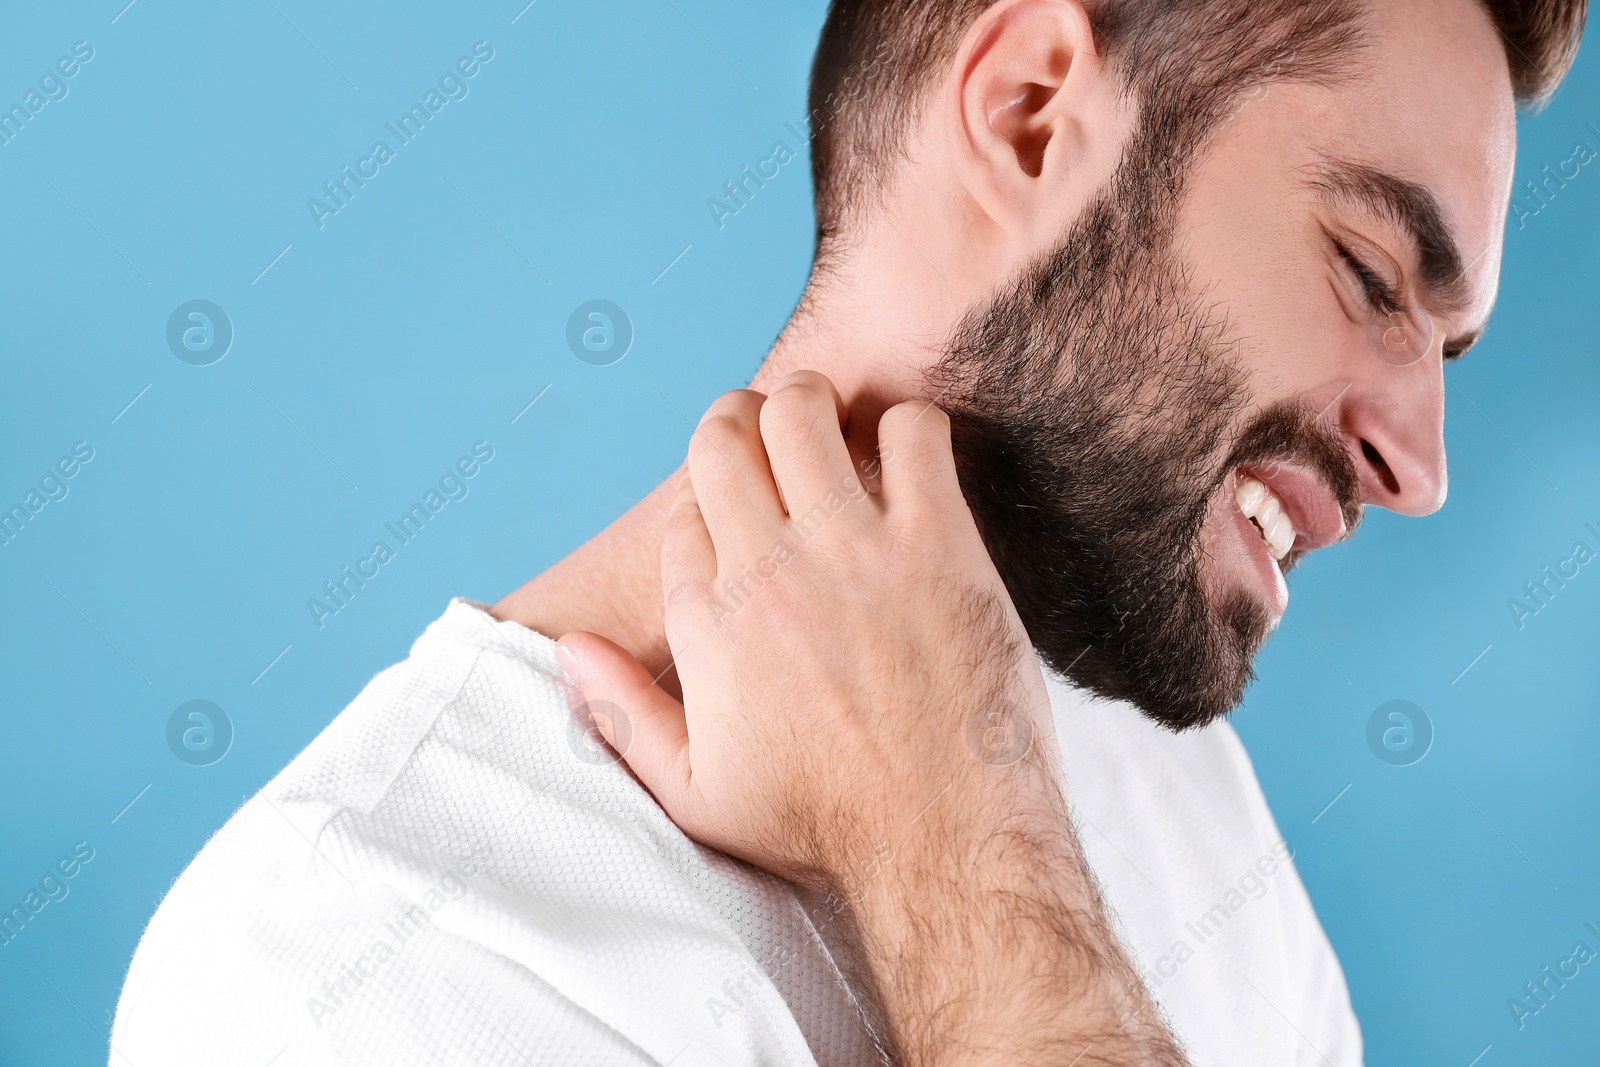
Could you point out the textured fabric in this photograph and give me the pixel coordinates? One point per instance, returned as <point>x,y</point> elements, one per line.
<point>452,874</point>
<point>1204,889</point>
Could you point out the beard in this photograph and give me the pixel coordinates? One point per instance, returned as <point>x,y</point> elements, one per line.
<point>1097,406</point>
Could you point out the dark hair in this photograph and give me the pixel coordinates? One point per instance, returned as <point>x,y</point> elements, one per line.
<point>877,58</point>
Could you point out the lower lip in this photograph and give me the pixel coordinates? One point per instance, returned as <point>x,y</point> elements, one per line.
<point>1268,576</point>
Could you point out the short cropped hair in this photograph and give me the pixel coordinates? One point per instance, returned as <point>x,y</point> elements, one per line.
<point>877,59</point>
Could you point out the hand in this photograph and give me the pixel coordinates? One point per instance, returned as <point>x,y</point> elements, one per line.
<point>862,712</point>
<point>851,664</point>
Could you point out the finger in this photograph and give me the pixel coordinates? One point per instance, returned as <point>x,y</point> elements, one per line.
<point>802,424</point>
<point>732,480</point>
<point>688,572</point>
<point>688,558</point>
<point>645,726</point>
<point>918,465</point>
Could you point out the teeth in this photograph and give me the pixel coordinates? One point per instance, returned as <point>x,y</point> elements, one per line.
<point>1280,535</point>
<point>1250,494</point>
<point>1268,511</point>
<point>1258,504</point>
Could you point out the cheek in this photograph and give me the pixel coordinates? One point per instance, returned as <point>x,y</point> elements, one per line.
<point>1258,256</point>
<point>1294,337</point>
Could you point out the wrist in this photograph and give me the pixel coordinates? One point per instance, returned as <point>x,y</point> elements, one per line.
<point>983,930</point>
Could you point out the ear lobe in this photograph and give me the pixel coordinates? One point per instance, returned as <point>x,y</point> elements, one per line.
<point>1024,74</point>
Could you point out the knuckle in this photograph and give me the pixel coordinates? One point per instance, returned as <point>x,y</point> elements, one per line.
<point>681,596</point>
<point>684,618</point>
<point>912,421</point>
<point>718,433</point>
<point>774,607</point>
<point>793,418</point>
<point>734,402</point>
<point>790,404</point>
<point>917,440</point>
<point>813,381</point>
<point>683,565</point>
<point>683,521</point>
<point>933,419</point>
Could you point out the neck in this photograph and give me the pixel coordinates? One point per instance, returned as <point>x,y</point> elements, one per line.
<point>848,331</point>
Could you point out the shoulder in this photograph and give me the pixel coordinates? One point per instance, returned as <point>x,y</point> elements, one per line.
<point>450,849</point>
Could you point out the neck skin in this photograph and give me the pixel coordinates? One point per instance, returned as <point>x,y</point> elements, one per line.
<point>1010,148</point>
<point>873,326</point>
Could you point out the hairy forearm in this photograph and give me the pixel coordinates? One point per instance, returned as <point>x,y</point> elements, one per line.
<point>837,728</point>
<point>986,942</point>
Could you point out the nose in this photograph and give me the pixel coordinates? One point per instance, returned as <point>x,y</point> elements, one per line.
<point>1394,422</point>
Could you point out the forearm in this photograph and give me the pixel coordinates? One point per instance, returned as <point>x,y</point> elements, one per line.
<point>882,655</point>
<point>986,942</point>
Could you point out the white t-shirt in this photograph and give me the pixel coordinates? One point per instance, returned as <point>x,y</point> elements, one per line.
<point>451,873</point>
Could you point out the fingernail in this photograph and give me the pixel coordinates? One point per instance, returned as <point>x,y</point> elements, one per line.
<point>569,662</point>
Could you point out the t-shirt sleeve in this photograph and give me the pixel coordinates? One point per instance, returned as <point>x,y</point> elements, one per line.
<point>272,949</point>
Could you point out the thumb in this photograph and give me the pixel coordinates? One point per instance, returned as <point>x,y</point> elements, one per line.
<point>635,716</point>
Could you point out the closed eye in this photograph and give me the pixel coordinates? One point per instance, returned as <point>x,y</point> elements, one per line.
<point>1384,299</point>
<point>1379,293</point>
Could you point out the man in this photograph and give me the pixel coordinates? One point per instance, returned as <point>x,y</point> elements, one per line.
<point>1184,278</point>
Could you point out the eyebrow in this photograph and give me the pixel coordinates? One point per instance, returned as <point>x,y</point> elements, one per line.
<point>1415,211</point>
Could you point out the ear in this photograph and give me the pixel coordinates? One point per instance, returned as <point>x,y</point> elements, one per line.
<point>1034,116</point>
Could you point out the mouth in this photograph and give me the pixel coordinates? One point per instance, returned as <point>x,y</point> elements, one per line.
<point>1264,510</point>
<point>1281,513</point>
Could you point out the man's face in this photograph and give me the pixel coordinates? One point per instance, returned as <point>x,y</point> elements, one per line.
<point>1169,410</point>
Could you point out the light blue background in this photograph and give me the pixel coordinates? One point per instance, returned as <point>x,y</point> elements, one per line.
<point>429,312</point>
